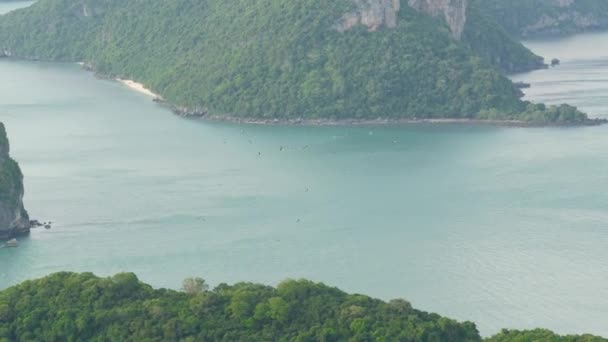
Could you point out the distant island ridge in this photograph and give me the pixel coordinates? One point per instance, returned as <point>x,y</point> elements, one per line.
<point>72,306</point>
<point>350,61</point>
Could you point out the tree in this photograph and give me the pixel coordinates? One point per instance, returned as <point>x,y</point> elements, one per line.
<point>194,286</point>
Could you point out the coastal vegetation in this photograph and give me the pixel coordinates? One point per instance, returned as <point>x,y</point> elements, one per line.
<point>540,335</point>
<point>83,307</point>
<point>484,35</point>
<point>282,60</point>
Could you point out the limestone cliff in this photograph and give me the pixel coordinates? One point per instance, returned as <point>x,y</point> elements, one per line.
<point>371,13</point>
<point>454,12</point>
<point>377,13</point>
<point>14,219</point>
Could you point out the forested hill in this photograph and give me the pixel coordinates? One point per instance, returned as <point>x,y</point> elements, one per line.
<point>284,59</point>
<point>82,307</point>
<point>484,35</point>
<point>533,18</point>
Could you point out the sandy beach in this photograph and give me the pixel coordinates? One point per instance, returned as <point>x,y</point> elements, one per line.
<point>138,87</point>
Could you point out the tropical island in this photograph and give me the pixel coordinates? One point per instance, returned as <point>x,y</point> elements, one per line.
<point>83,307</point>
<point>278,61</point>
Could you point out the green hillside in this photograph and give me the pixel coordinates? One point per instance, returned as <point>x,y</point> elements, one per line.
<point>82,307</point>
<point>484,35</point>
<point>277,59</point>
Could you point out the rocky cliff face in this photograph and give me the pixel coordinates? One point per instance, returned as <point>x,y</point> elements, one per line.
<point>14,219</point>
<point>377,13</point>
<point>454,12</point>
<point>371,13</point>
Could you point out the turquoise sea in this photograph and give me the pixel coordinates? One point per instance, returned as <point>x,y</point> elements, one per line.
<point>507,227</point>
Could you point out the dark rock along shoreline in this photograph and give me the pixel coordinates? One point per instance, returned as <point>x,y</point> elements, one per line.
<point>205,115</point>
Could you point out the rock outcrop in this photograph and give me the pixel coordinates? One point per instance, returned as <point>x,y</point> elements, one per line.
<point>4,53</point>
<point>377,13</point>
<point>14,219</point>
<point>454,12</point>
<point>371,13</point>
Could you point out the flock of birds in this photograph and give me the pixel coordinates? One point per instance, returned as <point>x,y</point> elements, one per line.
<point>285,148</point>
<point>282,148</point>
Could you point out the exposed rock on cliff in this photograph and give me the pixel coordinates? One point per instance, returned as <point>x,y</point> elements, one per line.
<point>284,60</point>
<point>371,13</point>
<point>14,219</point>
<point>4,53</point>
<point>377,13</point>
<point>454,12</point>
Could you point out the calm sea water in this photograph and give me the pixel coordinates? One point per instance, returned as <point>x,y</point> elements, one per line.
<point>6,7</point>
<point>506,227</point>
<point>581,79</point>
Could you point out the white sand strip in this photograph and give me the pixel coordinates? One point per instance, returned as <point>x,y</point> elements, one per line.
<point>138,87</point>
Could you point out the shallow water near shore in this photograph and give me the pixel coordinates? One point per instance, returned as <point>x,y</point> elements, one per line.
<point>506,227</point>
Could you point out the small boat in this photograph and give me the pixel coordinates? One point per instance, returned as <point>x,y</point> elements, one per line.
<point>11,243</point>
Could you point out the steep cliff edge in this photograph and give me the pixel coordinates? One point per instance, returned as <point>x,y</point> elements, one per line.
<point>371,13</point>
<point>377,13</point>
<point>464,20</point>
<point>14,219</point>
<point>454,12</point>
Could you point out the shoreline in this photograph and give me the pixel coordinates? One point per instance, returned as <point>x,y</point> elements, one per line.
<point>203,114</point>
<point>131,84</point>
<point>139,87</point>
<point>358,122</point>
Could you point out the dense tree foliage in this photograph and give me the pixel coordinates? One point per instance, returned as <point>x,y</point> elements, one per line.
<point>490,41</point>
<point>83,307</point>
<point>540,335</point>
<point>539,113</point>
<point>269,58</point>
<point>525,18</point>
